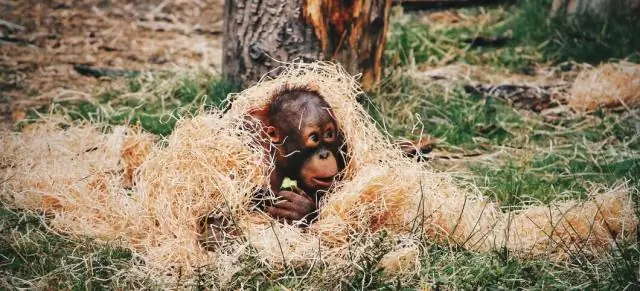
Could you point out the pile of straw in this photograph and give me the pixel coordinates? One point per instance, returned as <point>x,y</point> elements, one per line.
<point>114,183</point>
<point>608,85</point>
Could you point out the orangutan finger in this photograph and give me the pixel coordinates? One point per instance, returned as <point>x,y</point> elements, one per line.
<point>299,191</point>
<point>301,211</point>
<point>293,197</point>
<point>298,203</point>
<point>284,204</point>
<point>283,213</point>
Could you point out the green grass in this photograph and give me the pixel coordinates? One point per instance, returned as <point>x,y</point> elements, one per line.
<point>154,104</point>
<point>465,122</point>
<point>32,256</point>
<point>459,120</point>
<point>587,150</point>
<point>415,43</point>
<point>540,161</point>
<point>534,38</point>
<point>587,154</point>
<point>581,38</point>
<point>466,271</point>
<point>546,179</point>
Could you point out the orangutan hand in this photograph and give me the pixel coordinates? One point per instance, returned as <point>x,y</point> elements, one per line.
<point>293,205</point>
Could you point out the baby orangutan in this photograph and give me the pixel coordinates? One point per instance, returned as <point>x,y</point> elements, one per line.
<point>305,144</point>
<point>307,149</point>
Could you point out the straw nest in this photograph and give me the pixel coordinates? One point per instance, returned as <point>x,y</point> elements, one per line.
<point>608,85</point>
<point>120,184</point>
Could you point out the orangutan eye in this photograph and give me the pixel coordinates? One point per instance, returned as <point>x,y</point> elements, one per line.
<point>329,134</point>
<point>314,137</point>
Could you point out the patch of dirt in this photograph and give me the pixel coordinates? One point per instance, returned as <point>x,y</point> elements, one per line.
<point>42,41</point>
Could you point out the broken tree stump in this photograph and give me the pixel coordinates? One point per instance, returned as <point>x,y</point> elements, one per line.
<point>259,34</point>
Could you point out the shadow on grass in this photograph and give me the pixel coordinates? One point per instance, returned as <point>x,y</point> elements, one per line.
<point>581,38</point>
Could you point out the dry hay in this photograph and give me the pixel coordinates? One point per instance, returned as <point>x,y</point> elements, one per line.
<point>608,85</point>
<point>212,162</point>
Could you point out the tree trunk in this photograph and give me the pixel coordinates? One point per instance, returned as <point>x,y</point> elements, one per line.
<point>260,33</point>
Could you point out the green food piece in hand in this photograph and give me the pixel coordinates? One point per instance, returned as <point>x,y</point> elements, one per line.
<point>288,183</point>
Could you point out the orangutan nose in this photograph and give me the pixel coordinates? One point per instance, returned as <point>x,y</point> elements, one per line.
<point>324,154</point>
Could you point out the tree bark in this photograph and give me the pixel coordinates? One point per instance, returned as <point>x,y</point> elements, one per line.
<point>260,33</point>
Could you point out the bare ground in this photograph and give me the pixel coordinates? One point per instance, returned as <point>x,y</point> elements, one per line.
<point>42,41</point>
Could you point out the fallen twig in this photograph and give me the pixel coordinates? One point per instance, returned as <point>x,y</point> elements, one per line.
<point>12,25</point>
<point>103,72</point>
<point>487,41</point>
<point>417,148</point>
<point>15,40</point>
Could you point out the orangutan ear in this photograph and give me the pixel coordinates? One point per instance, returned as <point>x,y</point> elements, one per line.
<point>273,134</point>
